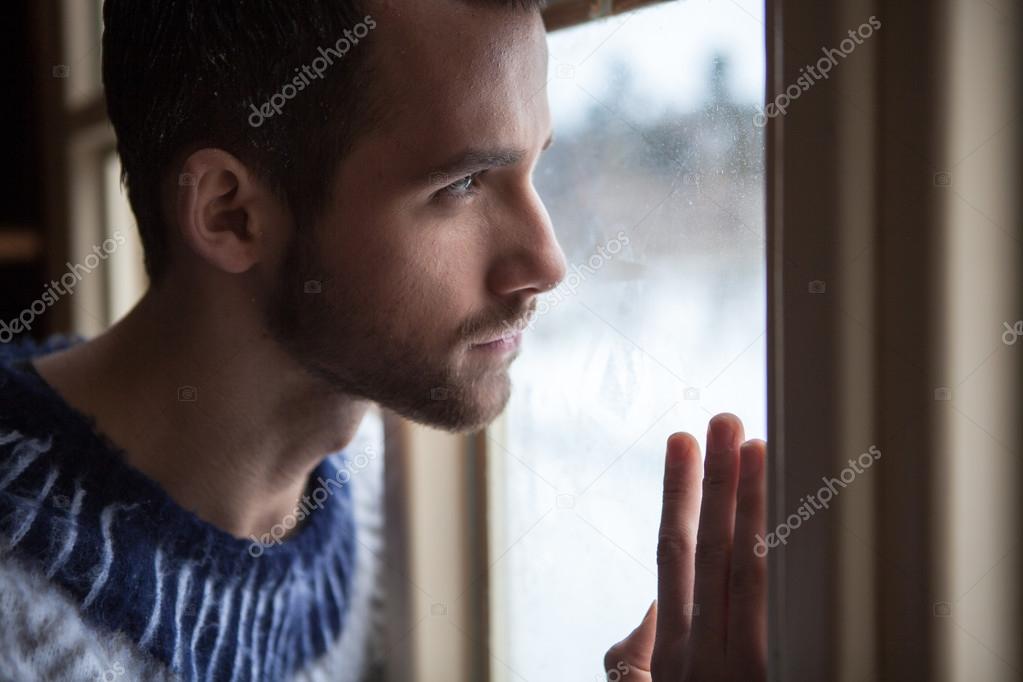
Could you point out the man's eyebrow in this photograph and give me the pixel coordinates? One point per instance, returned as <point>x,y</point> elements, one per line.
<point>470,161</point>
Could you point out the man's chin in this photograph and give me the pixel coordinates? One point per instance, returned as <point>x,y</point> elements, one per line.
<point>460,409</point>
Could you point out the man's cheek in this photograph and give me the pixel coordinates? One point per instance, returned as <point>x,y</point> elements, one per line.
<point>436,312</point>
<point>417,281</point>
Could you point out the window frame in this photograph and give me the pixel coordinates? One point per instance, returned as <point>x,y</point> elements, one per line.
<point>77,142</point>
<point>561,14</point>
<point>855,593</point>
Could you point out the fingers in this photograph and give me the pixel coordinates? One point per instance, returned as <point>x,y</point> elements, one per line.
<point>676,543</point>
<point>747,618</point>
<point>711,585</point>
<point>631,656</point>
<point>714,539</point>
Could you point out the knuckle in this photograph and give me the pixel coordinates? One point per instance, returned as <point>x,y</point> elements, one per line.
<point>714,484</point>
<point>712,555</point>
<point>674,495</point>
<point>611,657</point>
<point>617,657</point>
<point>747,579</point>
<point>673,547</point>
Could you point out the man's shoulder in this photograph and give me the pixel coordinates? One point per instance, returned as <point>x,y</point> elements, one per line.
<point>23,394</point>
<point>31,421</point>
<point>23,348</point>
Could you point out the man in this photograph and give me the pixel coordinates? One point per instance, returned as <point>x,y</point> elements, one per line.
<point>336,206</point>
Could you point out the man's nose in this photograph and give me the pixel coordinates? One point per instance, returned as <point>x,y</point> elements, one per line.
<point>531,260</point>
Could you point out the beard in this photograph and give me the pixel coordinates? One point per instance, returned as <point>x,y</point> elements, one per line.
<point>338,335</point>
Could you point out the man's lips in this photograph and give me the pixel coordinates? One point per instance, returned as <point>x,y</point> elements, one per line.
<point>501,342</point>
<point>510,333</point>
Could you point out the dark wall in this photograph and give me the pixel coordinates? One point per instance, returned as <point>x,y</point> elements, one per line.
<point>20,173</point>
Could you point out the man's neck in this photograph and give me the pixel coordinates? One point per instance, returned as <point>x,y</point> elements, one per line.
<point>213,410</point>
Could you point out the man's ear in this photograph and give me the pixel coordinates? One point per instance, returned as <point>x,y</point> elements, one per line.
<point>225,214</point>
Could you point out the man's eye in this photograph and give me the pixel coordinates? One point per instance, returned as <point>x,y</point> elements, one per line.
<point>462,187</point>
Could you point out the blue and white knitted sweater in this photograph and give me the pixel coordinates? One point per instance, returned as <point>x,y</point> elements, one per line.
<point>104,577</point>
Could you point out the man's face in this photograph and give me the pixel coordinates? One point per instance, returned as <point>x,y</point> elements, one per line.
<point>435,240</point>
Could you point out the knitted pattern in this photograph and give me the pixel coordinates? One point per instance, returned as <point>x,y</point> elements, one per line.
<point>199,603</point>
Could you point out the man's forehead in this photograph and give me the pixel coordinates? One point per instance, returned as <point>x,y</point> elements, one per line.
<point>440,47</point>
<point>448,69</point>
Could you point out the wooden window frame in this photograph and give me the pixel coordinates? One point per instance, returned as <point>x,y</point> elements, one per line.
<point>859,196</point>
<point>568,13</point>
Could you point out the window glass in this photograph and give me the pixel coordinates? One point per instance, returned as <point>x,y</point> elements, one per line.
<point>655,185</point>
<point>126,276</point>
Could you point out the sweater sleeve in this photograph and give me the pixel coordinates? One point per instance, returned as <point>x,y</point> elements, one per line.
<point>43,636</point>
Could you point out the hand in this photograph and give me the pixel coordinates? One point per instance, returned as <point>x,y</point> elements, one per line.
<point>709,622</point>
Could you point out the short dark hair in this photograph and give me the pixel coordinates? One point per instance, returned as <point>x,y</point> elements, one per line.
<point>180,75</point>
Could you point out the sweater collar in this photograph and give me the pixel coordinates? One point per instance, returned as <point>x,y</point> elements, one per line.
<point>140,563</point>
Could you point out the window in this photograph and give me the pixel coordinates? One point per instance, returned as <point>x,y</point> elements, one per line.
<point>126,275</point>
<point>81,66</point>
<point>655,187</point>
<point>98,214</point>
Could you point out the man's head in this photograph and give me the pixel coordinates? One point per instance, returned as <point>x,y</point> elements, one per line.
<point>357,172</point>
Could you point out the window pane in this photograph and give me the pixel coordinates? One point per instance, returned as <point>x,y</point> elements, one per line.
<point>126,275</point>
<point>81,68</point>
<point>655,187</point>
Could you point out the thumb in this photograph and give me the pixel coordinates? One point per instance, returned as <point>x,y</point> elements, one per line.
<point>632,655</point>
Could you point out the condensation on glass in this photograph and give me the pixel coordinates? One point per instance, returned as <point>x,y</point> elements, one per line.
<point>655,185</point>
